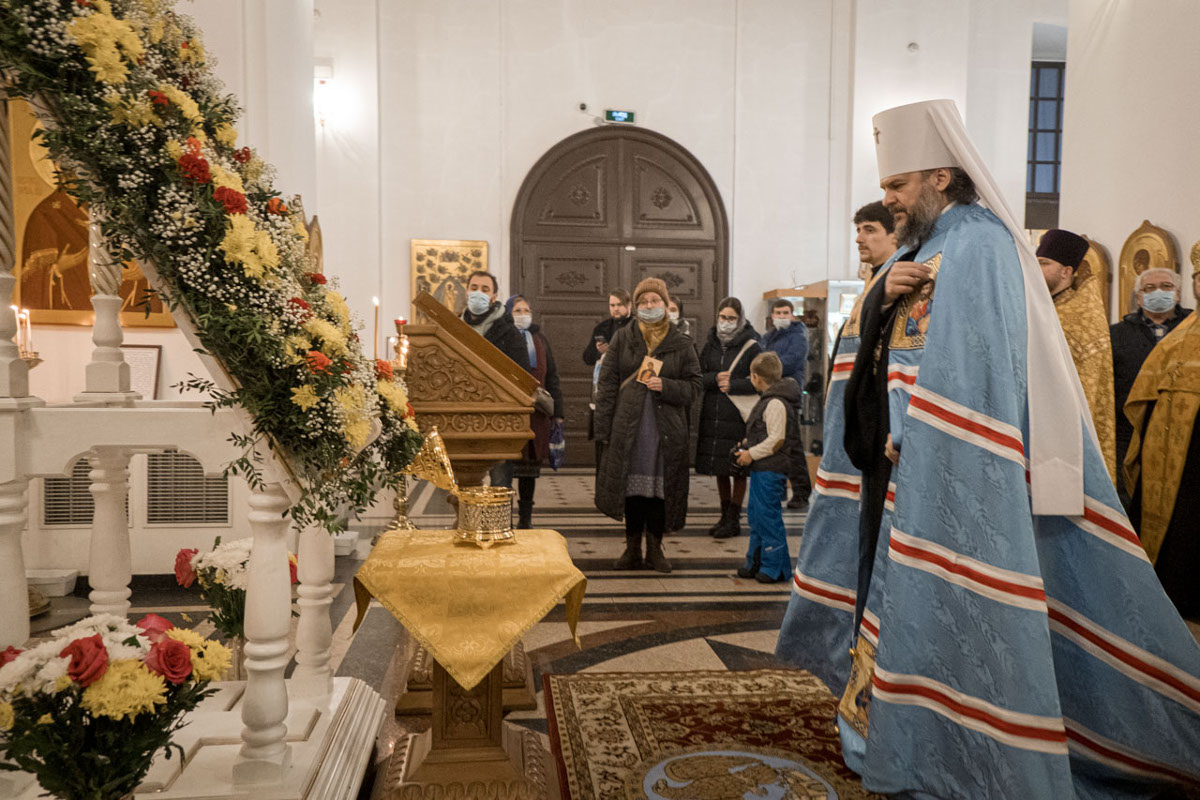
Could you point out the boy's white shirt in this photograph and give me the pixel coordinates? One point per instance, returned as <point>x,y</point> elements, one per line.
<point>775,415</point>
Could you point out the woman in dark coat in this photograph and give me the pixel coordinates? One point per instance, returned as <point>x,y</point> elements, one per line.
<point>643,473</point>
<point>721,424</point>
<point>529,468</point>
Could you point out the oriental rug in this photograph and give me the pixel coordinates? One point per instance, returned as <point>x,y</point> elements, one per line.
<point>759,734</point>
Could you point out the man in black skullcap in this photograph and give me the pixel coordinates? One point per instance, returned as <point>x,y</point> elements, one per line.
<point>1076,294</point>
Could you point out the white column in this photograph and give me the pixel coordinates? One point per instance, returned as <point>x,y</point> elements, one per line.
<point>107,374</point>
<point>265,755</point>
<point>109,565</point>
<point>14,375</point>
<point>14,601</point>
<point>314,635</point>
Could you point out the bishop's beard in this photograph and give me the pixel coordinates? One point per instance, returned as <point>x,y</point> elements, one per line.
<point>921,216</point>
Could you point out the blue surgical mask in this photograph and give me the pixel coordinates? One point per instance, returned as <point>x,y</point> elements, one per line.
<point>781,323</point>
<point>725,326</point>
<point>478,302</point>
<point>522,321</point>
<point>651,314</point>
<point>1158,301</point>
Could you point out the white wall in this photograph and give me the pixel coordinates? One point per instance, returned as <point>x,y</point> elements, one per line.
<point>1129,148</point>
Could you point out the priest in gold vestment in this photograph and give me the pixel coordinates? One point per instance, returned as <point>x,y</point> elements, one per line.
<point>1162,467</point>
<point>1080,308</point>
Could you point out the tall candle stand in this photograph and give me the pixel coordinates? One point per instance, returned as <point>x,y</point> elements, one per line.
<point>399,367</point>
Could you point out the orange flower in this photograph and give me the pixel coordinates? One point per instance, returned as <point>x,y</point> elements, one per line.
<point>383,370</point>
<point>276,206</point>
<point>317,361</point>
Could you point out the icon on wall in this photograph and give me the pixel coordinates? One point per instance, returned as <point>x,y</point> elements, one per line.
<point>441,267</point>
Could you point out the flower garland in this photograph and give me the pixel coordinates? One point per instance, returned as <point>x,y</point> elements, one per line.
<point>86,711</point>
<point>145,136</point>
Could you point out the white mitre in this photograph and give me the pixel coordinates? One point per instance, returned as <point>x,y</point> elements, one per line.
<point>929,135</point>
<point>907,140</point>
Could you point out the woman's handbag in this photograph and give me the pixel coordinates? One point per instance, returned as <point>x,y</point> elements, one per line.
<point>743,402</point>
<point>543,401</point>
<point>558,445</point>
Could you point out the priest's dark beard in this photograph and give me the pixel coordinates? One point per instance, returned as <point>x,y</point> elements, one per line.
<point>922,215</point>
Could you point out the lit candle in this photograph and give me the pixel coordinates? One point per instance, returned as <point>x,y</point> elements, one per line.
<point>375,338</point>
<point>20,337</point>
<point>28,331</point>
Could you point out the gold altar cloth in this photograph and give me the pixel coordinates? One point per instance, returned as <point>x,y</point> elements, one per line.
<point>468,606</point>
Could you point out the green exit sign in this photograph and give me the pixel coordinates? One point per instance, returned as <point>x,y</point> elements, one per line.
<point>613,115</point>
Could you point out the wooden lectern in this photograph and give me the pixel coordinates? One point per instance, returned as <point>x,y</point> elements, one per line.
<point>479,399</point>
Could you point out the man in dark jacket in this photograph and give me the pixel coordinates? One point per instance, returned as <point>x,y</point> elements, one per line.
<point>788,339</point>
<point>491,319</point>
<point>606,329</point>
<point>1156,294</point>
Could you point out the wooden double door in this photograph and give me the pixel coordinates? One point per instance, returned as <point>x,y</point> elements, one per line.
<point>603,209</point>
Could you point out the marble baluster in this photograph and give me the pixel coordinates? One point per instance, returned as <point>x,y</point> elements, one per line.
<point>109,563</point>
<point>265,755</point>
<point>314,634</point>
<point>14,375</point>
<point>14,601</point>
<point>107,373</point>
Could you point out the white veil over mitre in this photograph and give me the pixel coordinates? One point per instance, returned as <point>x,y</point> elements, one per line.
<point>931,134</point>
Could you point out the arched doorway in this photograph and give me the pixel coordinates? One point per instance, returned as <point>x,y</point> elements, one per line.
<point>605,208</point>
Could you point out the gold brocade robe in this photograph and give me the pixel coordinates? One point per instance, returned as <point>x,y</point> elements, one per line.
<point>1085,325</point>
<point>1170,382</point>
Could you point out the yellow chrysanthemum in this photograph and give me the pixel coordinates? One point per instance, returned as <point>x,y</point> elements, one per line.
<point>107,43</point>
<point>174,150</point>
<point>305,397</point>
<point>211,662</point>
<point>411,422</point>
<point>393,395</point>
<point>222,177</point>
<point>356,428</point>
<point>126,690</point>
<point>137,113</point>
<point>61,683</point>
<point>356,432</point>
<point>187,106</point>
<point>226,134</point>
<point>246,245</point>
<point>297,347</point>
<point>45,719</point>
<point>155,31</point>
<point>253,169</point>
<point>187,636</point>
<point>338,304</point>
<point>298,226</point>
<point>191,51</point>
<point>6,716</point>
<point>334,339</point>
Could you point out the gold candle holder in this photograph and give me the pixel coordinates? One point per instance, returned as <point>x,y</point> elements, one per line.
<point>399,367</point>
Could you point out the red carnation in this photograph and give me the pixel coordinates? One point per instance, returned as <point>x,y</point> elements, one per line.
<point>409,411</point>
<point>184,574</point>
<point>315,277</point>
<point>317,361</point>
<point>154,627</point>
<point>300,306</point>
<point>8,654</point>
<point>241,156</point>
<point>276,206</point>
<point>195,168</point>
<point>233,200</point>
<point>383,370</point>
<point>158,98</point>
<point>170,658</point>
<point>89,659</point>
<point>293,568</point>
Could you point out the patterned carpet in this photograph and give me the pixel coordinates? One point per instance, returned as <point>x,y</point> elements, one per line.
<point>764,733</point>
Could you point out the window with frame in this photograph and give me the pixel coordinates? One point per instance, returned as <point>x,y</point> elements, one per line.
<point>1044,162</point>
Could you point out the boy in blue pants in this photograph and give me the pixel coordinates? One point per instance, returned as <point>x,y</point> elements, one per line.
<point>771,432</point>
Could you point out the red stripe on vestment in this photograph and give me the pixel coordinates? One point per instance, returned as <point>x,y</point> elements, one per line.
<point>1125,656</point>
<point>903,377</point>
<point>822,591</point>
<point>1016,729</point>
<point>828,484</point>
<point>999,584</point>
<point>1127,758</point>
<point>1111,526</point>
<point>968,425</point>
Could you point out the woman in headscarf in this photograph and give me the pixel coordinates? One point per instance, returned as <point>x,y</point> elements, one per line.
<point>643,473</point>
<point>725,365</point>
<point>542,367</point>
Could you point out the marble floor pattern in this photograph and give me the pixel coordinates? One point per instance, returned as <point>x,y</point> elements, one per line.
<point>701,616</point>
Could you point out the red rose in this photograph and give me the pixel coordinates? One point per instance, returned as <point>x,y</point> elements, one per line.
<point>233,200</point>
<point>300,304</point>
<point>276,206</point>
<point>89,660</point>
<point>185,576</point>
<point>8,654</point>
<point>194,168</point>
<point>293,568</point>
<point>315,277</point>
<point>317,361</point>
<point>170,658</point>
<point>383,370</point>
<point>241,156</point>
<point>154,626</point>
<point>159,99</point>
